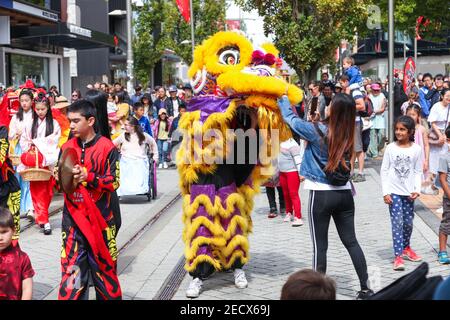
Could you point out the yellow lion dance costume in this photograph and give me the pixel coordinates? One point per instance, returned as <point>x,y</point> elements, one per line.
<point>235,92</point>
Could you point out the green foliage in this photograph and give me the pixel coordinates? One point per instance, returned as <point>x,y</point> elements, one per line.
<point>307,32</point>
<point>163,15</point>
<point>407,11</point>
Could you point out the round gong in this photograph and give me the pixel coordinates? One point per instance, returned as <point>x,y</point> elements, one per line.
<point>68,160</point>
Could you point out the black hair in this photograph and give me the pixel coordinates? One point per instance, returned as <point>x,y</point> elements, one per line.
<point>427,75</point>
<point>41,98</point>
<point>147,96</point>
<point>439,75</point>
<point>24,92</point>
<point>409,124</point>
<point>137,105</point>
<point>444,91</point>
<point>6,219</point>
<point>447,132</point>
<point>120,96</point>
<point>137,128</point>
<point>182,106</point>
<point>100,101</point>
<point>137,88</point>
<point>83,107</point>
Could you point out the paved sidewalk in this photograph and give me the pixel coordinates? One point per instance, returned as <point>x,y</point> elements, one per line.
<point>45,251</point>
<point>277,250</point>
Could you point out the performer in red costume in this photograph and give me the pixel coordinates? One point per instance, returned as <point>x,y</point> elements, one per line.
<point>88,225</point>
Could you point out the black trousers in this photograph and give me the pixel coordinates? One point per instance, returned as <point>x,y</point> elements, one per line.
<point>340,205</point>
<point>270,191</point>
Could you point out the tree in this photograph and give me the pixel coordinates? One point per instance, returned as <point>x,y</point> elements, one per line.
<point>159,26</point>
<point>307,32</point>
<point>407,11</point>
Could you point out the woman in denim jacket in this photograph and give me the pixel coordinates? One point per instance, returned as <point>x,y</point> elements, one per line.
<point>326,154</point>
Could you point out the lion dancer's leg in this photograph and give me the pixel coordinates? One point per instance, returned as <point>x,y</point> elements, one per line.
<point>236,225</point>
<point>201,235</point>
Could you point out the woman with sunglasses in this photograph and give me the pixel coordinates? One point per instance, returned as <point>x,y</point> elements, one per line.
<point>76,95</point>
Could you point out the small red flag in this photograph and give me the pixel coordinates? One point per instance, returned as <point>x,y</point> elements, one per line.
<point>184,7</point>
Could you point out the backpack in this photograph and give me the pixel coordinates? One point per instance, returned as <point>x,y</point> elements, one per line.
<point>413,286</point>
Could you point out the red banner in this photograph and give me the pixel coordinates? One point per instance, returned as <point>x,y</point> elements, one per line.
<point>409,72</point>
<point>234,25</point>
<point>184,7</point>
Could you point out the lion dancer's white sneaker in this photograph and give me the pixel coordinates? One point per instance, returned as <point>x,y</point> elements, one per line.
<point>239,279</point>
<point>195,286</point>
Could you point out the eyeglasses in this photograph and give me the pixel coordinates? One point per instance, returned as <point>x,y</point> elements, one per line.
<point>74,96</point>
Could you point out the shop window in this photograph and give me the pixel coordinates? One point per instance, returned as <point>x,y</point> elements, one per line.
<point>21,68</point>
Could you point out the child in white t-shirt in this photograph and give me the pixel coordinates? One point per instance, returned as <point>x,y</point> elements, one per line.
<point>401,176</point>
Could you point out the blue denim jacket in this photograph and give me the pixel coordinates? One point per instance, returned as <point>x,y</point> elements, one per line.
<point>315,151</point>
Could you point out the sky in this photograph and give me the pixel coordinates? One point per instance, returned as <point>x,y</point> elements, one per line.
<point>253,22</point>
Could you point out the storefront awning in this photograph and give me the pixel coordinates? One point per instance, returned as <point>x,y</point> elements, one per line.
<point>64,35</point>
<point>26,14</point>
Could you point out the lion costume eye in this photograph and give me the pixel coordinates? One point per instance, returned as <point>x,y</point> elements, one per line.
<point>229,57</point>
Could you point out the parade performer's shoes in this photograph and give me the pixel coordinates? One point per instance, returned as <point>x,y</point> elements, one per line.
<point>399,264</point>
<point>364,294</point>
<point>194,288</point>
<point>239,279</point>
<point>409,254</point>
<point>297,222</point>
<point>160,166</point>
<point>165,165</point>
<point>288,217</point>
<point>47,229</point>
<point>30,215</point>
<point>443,257</point>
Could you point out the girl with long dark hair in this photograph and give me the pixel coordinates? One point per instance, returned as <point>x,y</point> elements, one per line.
<point>42,134</point>
<point>16,128</point>
<point>133,144</point>
<point>326,168</point>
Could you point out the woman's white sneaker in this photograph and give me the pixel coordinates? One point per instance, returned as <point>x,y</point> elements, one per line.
<point>297,222</point>
<point>194,288</point>
<point>239,279</point>
<point>288,217</point>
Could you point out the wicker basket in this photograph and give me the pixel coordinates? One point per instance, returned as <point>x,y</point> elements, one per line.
<point>15,159</point>
<point>36,174</point>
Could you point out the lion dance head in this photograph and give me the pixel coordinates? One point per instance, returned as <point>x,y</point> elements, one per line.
<point>231,133</point>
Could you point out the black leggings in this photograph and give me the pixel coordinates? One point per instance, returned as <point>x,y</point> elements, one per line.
<point>337,204</point>
<point>270,191</point>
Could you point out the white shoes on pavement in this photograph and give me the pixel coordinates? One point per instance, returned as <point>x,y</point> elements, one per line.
<point>160,166</point>
<point>194,288</point>
<point>30,215</point>
<point>297,222</point>
<point>239,279</point>
<point>166,165</point>
<point>288,217</point>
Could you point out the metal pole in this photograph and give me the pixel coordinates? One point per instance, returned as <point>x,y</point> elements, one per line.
<point>130,61</point>
<point>404,46</point>
<point>192,28</point>
<point>415,52</point>
<point>391,71</point>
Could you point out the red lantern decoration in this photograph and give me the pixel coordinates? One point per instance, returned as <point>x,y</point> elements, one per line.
<point>29,158</point>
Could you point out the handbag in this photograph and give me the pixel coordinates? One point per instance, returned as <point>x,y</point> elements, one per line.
<point>340,176</point>
<point>432,136</point>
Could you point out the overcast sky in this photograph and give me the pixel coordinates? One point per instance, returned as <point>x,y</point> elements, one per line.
<point>253,22</point>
